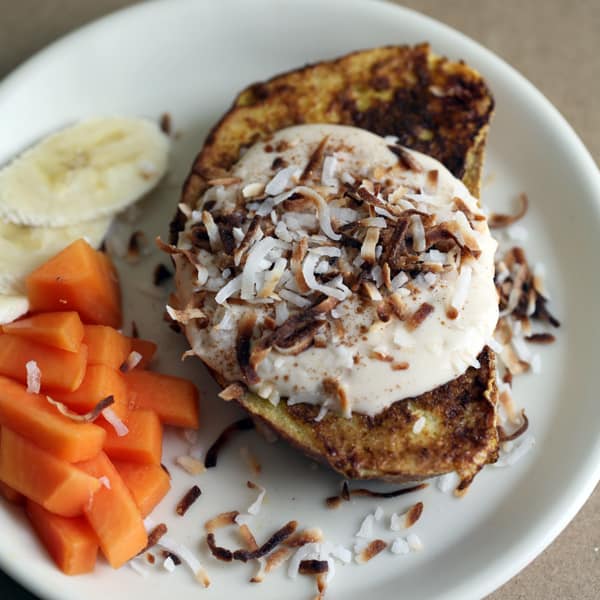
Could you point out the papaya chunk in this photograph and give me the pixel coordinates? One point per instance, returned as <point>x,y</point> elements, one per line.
<point>106,346</point>
<point>57,485</point>
<point>148,484</point>
<point>99,382</point>
<point>78,278</point>
<point>62,330</point>
<point>175,400</point>
<point>71,542</point>
<point>33,417</point>
<point>146,349</point>
<point>113,514</point>
<point>143,442</point>
<point>61,370</point>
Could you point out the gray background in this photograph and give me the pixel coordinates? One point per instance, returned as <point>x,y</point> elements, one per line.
<point>556,45</point>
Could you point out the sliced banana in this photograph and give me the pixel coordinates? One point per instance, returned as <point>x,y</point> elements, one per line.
<point>12,307</point>
<point>92,169</point>
<point>22,249</point>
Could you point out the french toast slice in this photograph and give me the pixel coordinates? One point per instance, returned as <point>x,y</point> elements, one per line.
<point>433,105</point>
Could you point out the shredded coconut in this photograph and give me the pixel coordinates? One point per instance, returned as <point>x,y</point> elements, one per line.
<point>34,377</point>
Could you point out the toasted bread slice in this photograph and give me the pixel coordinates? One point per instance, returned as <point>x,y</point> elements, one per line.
<point>432,105</point>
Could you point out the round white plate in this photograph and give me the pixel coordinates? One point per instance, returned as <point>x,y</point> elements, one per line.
<point>190,58</point>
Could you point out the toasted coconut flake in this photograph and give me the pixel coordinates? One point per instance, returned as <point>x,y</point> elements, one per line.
<point>190,465</point>
<point>295,299</point>
<point>34,377</point>
<point>323,211</point>
<point>499,220</point>
<point>212,230</point>
<point>221,520</point>
<point>224,181</point>
<point>418,233</point>
<point>405,158</point>
<point>253,235</point>
<point>255,507</point>
<point>338,291</point>
<point>413,514</point>
<point>253,189</point>
<point>283,180</point>
<point>131,362</point>
<point>120,428</point>
<point>212,454</point>
<point>398,280</point>
<point>306,536</point>
<point>298,253</point>
<point>505,437</point>
<point>367,250</point>
<point>243,347</point>
<point>313,566</point>
<point>371,291</point>
<point>315,160</point>
<point>256,255</point>
<point>541,338</point>
<point>370,551</point>
<point>154,536</point>
<point>273,277</point>
<point>231,287</point>
<point>419,316</point>
<point>329,171</point>
<point>277,558</point>
<point>188,314</point>
<point>188,499</point>
<point>188,558</point>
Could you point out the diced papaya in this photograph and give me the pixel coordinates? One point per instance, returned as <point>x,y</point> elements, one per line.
<point>143,442</point>
<point>106,346</point>
<point>11,495</point>
<point>71,542</point>
<point>61,370</point>
<point>99,382</point>
<point>62,330</point>
<point>57,485</point>
<point>148,484</point>
<point>78,278</point>
<point>113,514</point>
<point>146,349</point>
<point>175,400</point>
<point>33,417</point>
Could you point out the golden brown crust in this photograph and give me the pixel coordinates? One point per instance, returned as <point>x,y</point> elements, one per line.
<point>432,105</point>
<point>459,435</point>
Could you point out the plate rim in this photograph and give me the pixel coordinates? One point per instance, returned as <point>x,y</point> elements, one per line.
<point>490,578</point>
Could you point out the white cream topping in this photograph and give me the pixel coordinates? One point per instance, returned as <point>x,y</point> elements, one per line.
<point>374,363</point>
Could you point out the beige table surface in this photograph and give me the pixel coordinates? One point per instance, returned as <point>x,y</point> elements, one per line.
<point>556,45</point>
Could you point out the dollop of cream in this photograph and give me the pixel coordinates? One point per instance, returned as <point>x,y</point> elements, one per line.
<point>373,363</point>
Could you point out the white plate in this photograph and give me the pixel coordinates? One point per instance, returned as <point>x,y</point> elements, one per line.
<point>190,58</point>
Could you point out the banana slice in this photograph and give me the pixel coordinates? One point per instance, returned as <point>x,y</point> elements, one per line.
<point>22,249</point>
<point>12,307</point>
<point>89,170</point>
